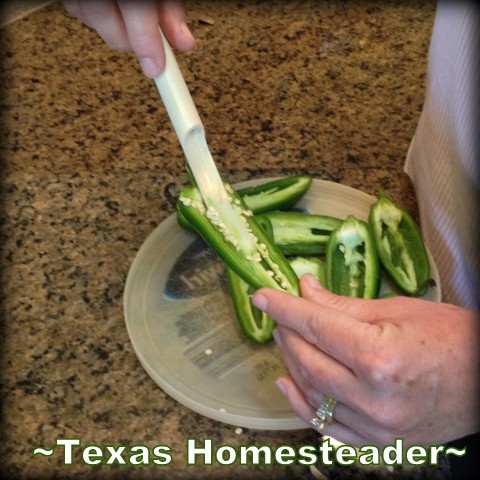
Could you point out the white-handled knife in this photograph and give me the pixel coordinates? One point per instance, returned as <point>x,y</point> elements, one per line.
<point>233,224</point>
<point>189,128</point>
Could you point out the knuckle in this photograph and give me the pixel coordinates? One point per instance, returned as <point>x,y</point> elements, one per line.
<point>306,368</point>
<point>345,303</point>
<point>309,328</point>
<point>311,396</point>
<point>141,44</point>
<point>381,368</point>
<point>310,371</point>
<point>314,375</point>
<point>337,301</point>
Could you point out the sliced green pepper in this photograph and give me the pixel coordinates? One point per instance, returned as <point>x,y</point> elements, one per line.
<point>182,221</point>
<point>255,324</point>
<point>244,246</point>
<point>274,195</point>
<point>400,246</point>
<point>353,268</point>
<point>279,194</point>
<point>313,265</point>
<point>301,234</point>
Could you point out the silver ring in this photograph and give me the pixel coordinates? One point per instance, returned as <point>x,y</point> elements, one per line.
<point>317,423</point>
<point>325,410</point>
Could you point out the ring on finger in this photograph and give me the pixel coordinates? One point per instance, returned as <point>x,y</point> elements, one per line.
<point>325,410</point>
<point>317,423</point>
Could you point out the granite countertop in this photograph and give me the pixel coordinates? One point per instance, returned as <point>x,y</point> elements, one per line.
<point>91,166</point>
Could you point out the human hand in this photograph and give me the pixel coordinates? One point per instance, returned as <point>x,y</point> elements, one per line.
<point>398,367</point>
<point>133,26</point>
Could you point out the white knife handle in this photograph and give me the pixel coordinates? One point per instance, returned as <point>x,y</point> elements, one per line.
<point>188,127</point>
<point>176,97</point>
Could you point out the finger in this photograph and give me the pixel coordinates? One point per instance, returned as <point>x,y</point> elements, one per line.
<point>355,403</point>
<point>142,22</point>
<point>172,20</point>
<point>314,371</point>
<point>306,412</point>
<point>337,333</point>
<point>104,17</point>
<point>360,308</point>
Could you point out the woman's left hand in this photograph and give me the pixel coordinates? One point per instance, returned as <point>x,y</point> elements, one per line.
<point>398,367</point>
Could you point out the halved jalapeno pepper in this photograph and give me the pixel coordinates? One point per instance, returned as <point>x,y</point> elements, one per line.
<point>244,246</point>
<point>279,194</point>
<point>400,246</point>
<point>255,324</point>
<point>312,265</point>
<point>352,263</point>
<point>302,234</point>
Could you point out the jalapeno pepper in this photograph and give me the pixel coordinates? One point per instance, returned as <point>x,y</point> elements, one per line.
<point>279,194</point>
<point>352,263</point>
<point>244,246</point>
<point>302,234</point>
<point>255,324</point>
<point>313,265</point>
<point>274,195</point>
<point>400,246</point>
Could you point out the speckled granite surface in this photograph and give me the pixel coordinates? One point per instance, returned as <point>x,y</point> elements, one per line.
<point>91,166</point>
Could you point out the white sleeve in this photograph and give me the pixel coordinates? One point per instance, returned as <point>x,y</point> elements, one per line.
<point>443,159</point>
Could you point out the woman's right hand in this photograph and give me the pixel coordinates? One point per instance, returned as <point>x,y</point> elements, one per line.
<point>133,26</point>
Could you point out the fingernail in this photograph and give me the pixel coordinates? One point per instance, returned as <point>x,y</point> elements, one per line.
<point>150,67</point>
<point>312,281</point>
<point>186,32</point>
<point>260,301</point>
<point>281,386</point>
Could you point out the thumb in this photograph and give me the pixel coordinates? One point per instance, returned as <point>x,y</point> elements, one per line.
<point>360,308</point>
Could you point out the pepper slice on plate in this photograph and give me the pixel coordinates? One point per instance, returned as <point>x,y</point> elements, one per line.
<point>400,246</point>
<point>255,324</point>
<point>313,265</point>
<point>243,244</point>
<point>279,194</point>
<point>302,234</point>
<point>352,263</point>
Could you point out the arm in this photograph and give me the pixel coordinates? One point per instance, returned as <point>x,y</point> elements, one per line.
<point>133,26</point>
<point>399,367</point>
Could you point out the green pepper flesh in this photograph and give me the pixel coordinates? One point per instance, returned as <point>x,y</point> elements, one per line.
<point>255,324</point>
<point>301,234</point>
<point>279,194</point>
<point>400,246</point>
<point>352,266</point>
<point>255,259</point>
<point>313,265</point>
